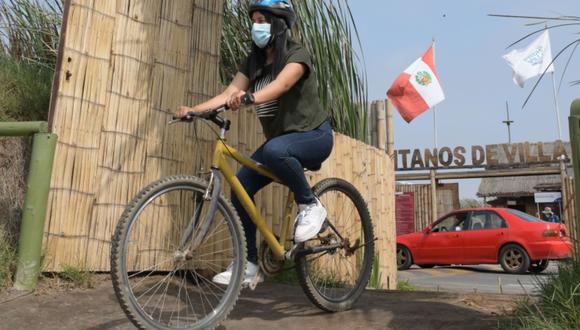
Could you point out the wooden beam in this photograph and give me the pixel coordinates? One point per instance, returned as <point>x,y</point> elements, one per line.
<point>480,174</point>
<point>433,178</point>
<point>390,131</point>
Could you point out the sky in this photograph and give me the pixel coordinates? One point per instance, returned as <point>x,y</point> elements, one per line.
<point>476,80</point>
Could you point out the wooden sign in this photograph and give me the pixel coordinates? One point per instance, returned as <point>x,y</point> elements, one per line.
<point>489,156</point>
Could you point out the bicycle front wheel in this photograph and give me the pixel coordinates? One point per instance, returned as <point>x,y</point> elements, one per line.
<point>333,280</point>
<point>161,278</point>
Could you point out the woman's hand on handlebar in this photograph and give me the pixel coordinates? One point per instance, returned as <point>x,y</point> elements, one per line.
<point>234,102</point>
<point>184,110</point>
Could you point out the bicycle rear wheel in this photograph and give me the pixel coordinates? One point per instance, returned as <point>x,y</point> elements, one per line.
<point>160,280</point>
<point>335,279</point>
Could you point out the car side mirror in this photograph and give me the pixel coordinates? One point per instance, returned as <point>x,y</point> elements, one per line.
<point>426,230</point>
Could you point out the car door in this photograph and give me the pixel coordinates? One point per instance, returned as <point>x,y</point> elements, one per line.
<point>443,243</point>
<point>486,231</point>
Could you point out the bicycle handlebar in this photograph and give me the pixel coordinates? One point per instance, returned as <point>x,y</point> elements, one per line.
<point>208,115</point>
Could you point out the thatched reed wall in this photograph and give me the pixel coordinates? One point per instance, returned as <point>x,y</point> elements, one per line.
<point>447,201</point>
<point>125,67</point>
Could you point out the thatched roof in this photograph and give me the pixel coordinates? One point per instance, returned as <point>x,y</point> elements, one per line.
<point>517,186</point>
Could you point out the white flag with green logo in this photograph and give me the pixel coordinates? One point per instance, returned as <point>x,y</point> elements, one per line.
<point>531,61</point>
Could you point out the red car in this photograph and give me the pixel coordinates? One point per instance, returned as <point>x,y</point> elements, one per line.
<point>517,241</point>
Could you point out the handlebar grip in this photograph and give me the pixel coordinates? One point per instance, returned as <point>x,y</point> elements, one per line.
<point>248,99</point>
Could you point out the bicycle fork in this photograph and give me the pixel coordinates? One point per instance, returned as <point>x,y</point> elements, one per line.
<point>213,189</point>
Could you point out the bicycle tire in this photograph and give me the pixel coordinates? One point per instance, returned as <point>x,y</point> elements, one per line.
<point>188,278</point>
<point>307,273</point>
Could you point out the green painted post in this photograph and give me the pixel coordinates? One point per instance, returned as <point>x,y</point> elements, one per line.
<point>23,128</point>
<point>574,124</point>
<point>34,210</point>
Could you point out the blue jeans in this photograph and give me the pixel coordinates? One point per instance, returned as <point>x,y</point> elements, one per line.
<point>287,156</point>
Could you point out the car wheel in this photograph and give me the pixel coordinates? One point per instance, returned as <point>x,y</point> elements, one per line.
<point>539,266</point>
<point>514,259</point>
<point>426,266</point>
<point>404,258</point>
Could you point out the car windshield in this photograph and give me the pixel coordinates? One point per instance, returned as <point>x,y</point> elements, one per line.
<point>524,216</point>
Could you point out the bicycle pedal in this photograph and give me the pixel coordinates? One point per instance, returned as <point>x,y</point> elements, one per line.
<point>259,278</point>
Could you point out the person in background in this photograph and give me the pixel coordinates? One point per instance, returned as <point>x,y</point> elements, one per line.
<point>549,216</point>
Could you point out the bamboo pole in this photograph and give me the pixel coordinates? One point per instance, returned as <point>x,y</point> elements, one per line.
<point>574,124</point>
<point>563,177</point>
<point>390,129</point>
<point>23,128</point>
<point>382,125</point>
<point>34,211</point>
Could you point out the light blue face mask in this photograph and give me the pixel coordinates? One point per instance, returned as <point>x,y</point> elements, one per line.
<point>261,34</point>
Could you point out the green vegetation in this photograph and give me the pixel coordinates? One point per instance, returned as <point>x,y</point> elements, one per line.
<point>327,29</point>
<point>7,259</point>
<point>29,30</point>
<point>288,276</point>
<point>29,35</point>
<point>376,275</point>
<point>25,92</point>
<point>406,286</point>
<point>77,276</point>
<point>558,306</point>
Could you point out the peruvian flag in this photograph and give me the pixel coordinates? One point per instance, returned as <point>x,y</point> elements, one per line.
<point>417,89</point>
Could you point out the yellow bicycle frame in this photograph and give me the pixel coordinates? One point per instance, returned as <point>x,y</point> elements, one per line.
<point>222,150</point>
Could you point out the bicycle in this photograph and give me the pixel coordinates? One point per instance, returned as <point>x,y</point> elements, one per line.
<point>180,231</point>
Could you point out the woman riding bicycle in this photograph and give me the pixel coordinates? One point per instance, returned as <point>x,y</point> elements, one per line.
<point>278,78</point>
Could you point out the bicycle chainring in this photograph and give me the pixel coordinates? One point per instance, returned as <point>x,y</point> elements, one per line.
<point>268,263</point>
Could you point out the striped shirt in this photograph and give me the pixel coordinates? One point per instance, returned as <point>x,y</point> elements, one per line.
<point>268,109</point>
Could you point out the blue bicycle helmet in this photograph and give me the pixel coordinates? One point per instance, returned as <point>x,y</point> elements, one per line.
<point>280,8</point>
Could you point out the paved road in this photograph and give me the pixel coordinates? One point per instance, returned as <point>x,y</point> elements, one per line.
<point>481,278</point>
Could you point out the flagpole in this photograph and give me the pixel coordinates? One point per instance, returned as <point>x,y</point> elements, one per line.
<point>557,107</point>
<point>434,108</point>
<point>433,171</point>
<point>435,126</point>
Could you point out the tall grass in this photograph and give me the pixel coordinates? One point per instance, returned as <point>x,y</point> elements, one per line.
<point>29,36</point>
<point>327,29</point>
<point>7,258</point>
<point>558,306</point>
<point>25,92</point>
<point>29,30</point>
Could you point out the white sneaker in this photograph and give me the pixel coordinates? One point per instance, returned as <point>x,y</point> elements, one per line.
<point>309,221</point>
<point>251,272</point>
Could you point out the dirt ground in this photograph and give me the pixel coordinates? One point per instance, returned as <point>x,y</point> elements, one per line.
<point>271,306</point>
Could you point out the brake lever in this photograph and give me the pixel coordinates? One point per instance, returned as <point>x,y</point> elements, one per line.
<point>187,119</point>
<point>174,120</point>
